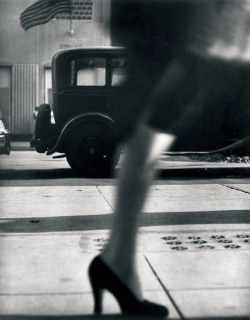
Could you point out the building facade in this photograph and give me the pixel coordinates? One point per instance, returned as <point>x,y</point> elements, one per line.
<point>25,56</point>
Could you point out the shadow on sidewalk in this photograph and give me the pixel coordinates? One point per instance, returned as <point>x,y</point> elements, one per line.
<point>102,222</point>
<point>33,174</point>
<point>67,173</point>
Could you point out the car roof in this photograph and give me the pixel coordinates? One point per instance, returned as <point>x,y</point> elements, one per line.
<point>103,49</point>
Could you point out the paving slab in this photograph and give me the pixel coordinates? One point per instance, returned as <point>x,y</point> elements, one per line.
<point>47,274</point>
<point>188,198</point>
<point>71,305</point>
<point>195,205</point>
<point>43,201</point>
<point>196,270</point>
<point>205,272</point>
<point>202,270</point>
<point>213,191</point>
<point>213,304</point>
<point>91,200</point>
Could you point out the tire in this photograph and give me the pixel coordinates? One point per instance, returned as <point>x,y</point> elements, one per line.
<point>42,124</point>
<point>91,149</point>
<point>7,147</point>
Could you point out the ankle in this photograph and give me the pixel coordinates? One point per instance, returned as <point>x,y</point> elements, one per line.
<point>125,272</point>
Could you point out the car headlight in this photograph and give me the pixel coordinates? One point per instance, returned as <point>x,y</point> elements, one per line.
<point>2,136</point>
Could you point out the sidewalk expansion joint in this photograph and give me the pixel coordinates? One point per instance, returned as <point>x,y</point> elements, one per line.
<point>165,289</point>
<point>104,198</point>
<point>235,188</point>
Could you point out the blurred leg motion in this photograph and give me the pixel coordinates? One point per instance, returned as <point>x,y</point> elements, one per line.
<point>119,256</point>
<point>138,169</point>
<point>177,50</point>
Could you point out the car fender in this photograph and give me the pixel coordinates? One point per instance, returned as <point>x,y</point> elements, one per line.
<point>77,121</point>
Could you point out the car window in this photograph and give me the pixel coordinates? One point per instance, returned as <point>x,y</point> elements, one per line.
<point>119,71</point>
<point>88,72</point>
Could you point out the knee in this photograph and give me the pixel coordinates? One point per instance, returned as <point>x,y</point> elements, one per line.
<point>145,146</point>
<point>139,149</point>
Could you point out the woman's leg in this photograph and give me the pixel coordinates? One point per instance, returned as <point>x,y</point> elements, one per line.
<point>137,172</point>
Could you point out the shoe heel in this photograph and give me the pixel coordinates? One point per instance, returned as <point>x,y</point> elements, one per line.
<point>98,294</point>
<point>96,289</point>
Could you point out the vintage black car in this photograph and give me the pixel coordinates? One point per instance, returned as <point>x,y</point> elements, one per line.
<point>84,83</point>
<point>81,122</point>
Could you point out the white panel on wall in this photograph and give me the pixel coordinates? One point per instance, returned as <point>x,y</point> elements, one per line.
<point>24,97</point>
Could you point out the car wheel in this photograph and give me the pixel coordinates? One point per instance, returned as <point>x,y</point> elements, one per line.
<point>42,124</point>
<point>7,148</point>
<point>91,149</point>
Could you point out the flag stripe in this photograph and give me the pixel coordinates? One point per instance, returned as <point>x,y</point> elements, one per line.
<point>37,21</point>
<point>40,19</point>
<point>35,7</point>
<point>43,8</point>
<point>42,11</point>
<point>43,4</point>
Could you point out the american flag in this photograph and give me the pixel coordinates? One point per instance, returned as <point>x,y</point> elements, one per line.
<point>42,11</point>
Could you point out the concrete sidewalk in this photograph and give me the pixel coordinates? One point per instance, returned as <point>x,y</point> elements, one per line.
<point>193,251</point>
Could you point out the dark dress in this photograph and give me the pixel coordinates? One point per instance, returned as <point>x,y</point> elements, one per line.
<point>189,70</point>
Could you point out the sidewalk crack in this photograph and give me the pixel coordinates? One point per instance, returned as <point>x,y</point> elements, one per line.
<point>105,198</point>
<point>165,289</point>
<point>235,188</point>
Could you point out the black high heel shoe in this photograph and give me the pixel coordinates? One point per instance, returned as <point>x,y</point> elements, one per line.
<point>101,278</point>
